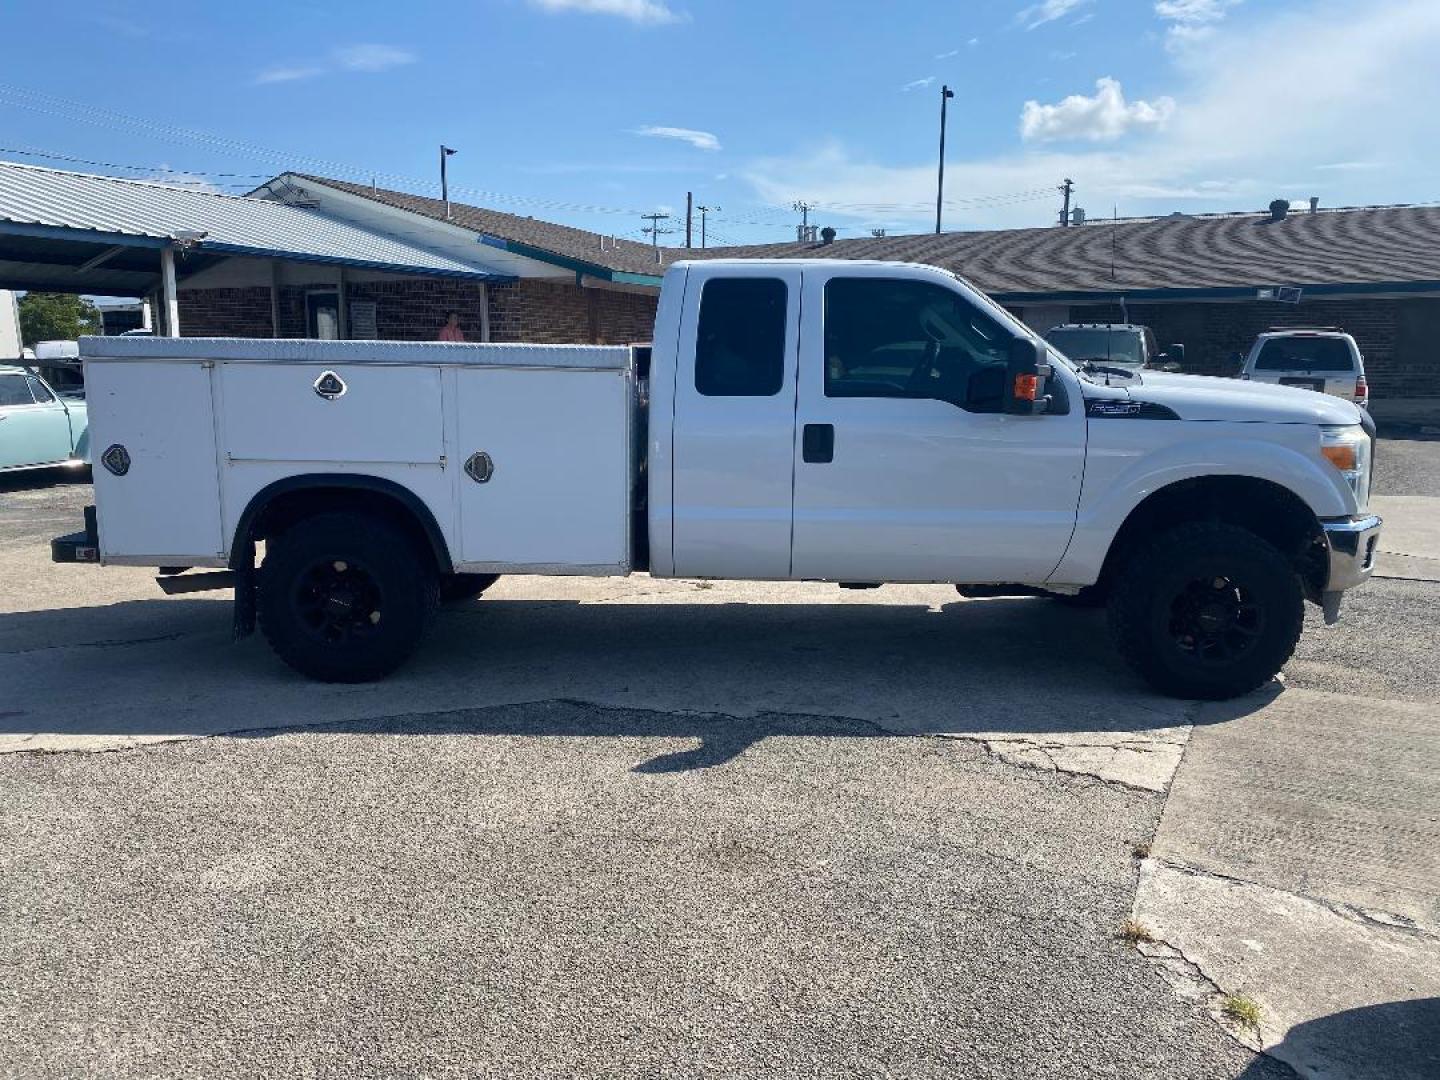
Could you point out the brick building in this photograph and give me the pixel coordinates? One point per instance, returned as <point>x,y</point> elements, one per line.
<point>1198,280</point>
<point>568,285</point>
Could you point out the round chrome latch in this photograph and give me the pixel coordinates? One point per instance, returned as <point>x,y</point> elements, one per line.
<point>116,459</point>
<point>479,467</point>
<point>330,386</point>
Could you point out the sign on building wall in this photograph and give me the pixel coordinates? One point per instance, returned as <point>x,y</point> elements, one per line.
<point>362,320</point>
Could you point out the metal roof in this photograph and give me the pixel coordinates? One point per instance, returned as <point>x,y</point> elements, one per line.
<point>53,204</point>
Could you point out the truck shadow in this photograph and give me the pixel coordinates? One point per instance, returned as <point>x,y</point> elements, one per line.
<point>1397,1039</point>
<point>724,674</point>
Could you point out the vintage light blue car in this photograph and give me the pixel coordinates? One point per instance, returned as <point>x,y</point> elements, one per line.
<point>39,428</point>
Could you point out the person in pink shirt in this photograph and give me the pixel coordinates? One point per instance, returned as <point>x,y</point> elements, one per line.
<point>451,330</point>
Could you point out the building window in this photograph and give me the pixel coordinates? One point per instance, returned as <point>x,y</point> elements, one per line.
<point>740,346</point>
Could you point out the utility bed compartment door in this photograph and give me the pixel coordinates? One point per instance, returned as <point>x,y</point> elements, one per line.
<point>557,447</point>
<point>165,509</point>
<point>273,412</point>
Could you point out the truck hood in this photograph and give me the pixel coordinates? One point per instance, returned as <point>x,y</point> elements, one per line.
<point>1202,397</point>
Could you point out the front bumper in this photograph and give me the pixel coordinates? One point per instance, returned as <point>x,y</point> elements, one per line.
<point>1352,544</point>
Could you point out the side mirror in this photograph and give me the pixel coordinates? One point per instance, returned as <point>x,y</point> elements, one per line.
<point>1175,354</point>
<point>1025,376</point>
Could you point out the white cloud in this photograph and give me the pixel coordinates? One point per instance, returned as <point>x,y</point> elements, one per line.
<point>287,74</point>
<point>361,57</point>
<point>701,140</point>
<point>1191,21</point>
<point>370,57</point>
<point>917,84</point>
<point>1046,11</point>
<point>947,55</point>
<point>652,12</point>
<point>1194,11</point>
<point>1102,118</point>
<point>1253,116</point>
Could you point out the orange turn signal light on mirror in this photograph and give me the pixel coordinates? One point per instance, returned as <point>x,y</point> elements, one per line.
<point>1342,457</point>
<point>1027,387</point>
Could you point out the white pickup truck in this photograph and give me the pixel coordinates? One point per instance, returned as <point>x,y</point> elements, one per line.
<point>849,422</point>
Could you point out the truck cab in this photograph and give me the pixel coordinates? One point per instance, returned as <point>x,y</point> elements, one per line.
<point>848,421</point>
<point>1114,344</point>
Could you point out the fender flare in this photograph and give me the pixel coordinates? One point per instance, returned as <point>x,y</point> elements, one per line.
<point>348,481</point>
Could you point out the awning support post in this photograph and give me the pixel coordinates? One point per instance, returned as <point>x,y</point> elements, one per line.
<point>172,305</point>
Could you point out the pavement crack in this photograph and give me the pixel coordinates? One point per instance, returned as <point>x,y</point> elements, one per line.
<point>1383,920</point>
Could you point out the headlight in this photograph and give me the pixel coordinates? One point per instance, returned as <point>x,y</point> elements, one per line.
<point>1349,450</point>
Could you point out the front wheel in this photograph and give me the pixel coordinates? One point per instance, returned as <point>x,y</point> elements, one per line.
<point>1207,611</point>
<point>345,597</point>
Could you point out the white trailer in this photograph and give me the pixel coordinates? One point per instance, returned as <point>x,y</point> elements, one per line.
<point>852,422</point>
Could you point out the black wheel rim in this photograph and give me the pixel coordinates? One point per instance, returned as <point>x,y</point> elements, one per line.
<point>1215,620</point>
<point>339,602</point>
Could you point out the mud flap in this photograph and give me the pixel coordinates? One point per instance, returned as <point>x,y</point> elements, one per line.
<point>243,563</point>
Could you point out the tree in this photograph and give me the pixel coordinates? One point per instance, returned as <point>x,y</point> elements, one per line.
<point>56,317</point>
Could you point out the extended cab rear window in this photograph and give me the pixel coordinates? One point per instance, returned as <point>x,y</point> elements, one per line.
<point>740,346</point>
<point>1305,354</point>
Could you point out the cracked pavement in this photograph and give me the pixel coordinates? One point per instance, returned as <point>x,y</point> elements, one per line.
<point>875,833</point>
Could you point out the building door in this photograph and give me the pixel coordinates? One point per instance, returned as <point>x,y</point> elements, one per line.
<point>322,315</point>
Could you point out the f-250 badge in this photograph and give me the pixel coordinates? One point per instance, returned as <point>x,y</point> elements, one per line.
<point>1114,408</point>
<point>330,386</point>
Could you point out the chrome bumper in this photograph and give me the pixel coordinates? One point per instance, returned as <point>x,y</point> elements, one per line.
<point>1352,543</point>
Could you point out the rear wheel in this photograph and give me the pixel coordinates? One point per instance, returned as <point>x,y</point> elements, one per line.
<point>1207,611</point>
<point>345,597</point>
<point>457,588</point>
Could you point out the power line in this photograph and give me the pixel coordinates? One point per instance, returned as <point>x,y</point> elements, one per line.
<point>104,117</point>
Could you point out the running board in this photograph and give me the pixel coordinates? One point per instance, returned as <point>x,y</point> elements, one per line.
<point>171,585</point>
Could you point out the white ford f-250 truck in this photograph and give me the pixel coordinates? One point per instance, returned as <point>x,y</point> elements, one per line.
<point>849,422</point>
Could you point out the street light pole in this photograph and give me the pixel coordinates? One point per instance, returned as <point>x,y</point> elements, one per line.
<point>445,152</point>
<point>945,95</point>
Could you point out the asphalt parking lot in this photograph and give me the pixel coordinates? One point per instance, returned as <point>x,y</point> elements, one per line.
<point>660,828</point>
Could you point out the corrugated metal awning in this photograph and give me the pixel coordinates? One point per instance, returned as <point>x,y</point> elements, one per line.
<point>41,204</point>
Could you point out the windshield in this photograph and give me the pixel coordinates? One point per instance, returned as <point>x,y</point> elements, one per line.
<point>1305,354</point>
<point>1098,343</point>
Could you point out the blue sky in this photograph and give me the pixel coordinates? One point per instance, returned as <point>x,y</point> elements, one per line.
<point>594,111</point>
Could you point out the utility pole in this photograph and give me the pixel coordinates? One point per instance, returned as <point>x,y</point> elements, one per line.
<point>689,215</point>
<point>655,231</point>
<point>445,152</point>
<point>945,95</point>
<point>803,233</point>
<point>703,211</point>
<point>1065,189</point>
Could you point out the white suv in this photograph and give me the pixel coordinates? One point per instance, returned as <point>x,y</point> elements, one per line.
<point>1324,359</point>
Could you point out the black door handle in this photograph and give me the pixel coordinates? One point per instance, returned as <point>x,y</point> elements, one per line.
<point>817,443</point>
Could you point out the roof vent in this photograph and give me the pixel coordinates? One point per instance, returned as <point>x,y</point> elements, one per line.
<point>1278,209</point>
<point>827,235</point>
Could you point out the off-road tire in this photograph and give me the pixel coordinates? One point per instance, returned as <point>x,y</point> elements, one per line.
<point>1152,606</point>
<point>457,588</point>
<point>388,580</point>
